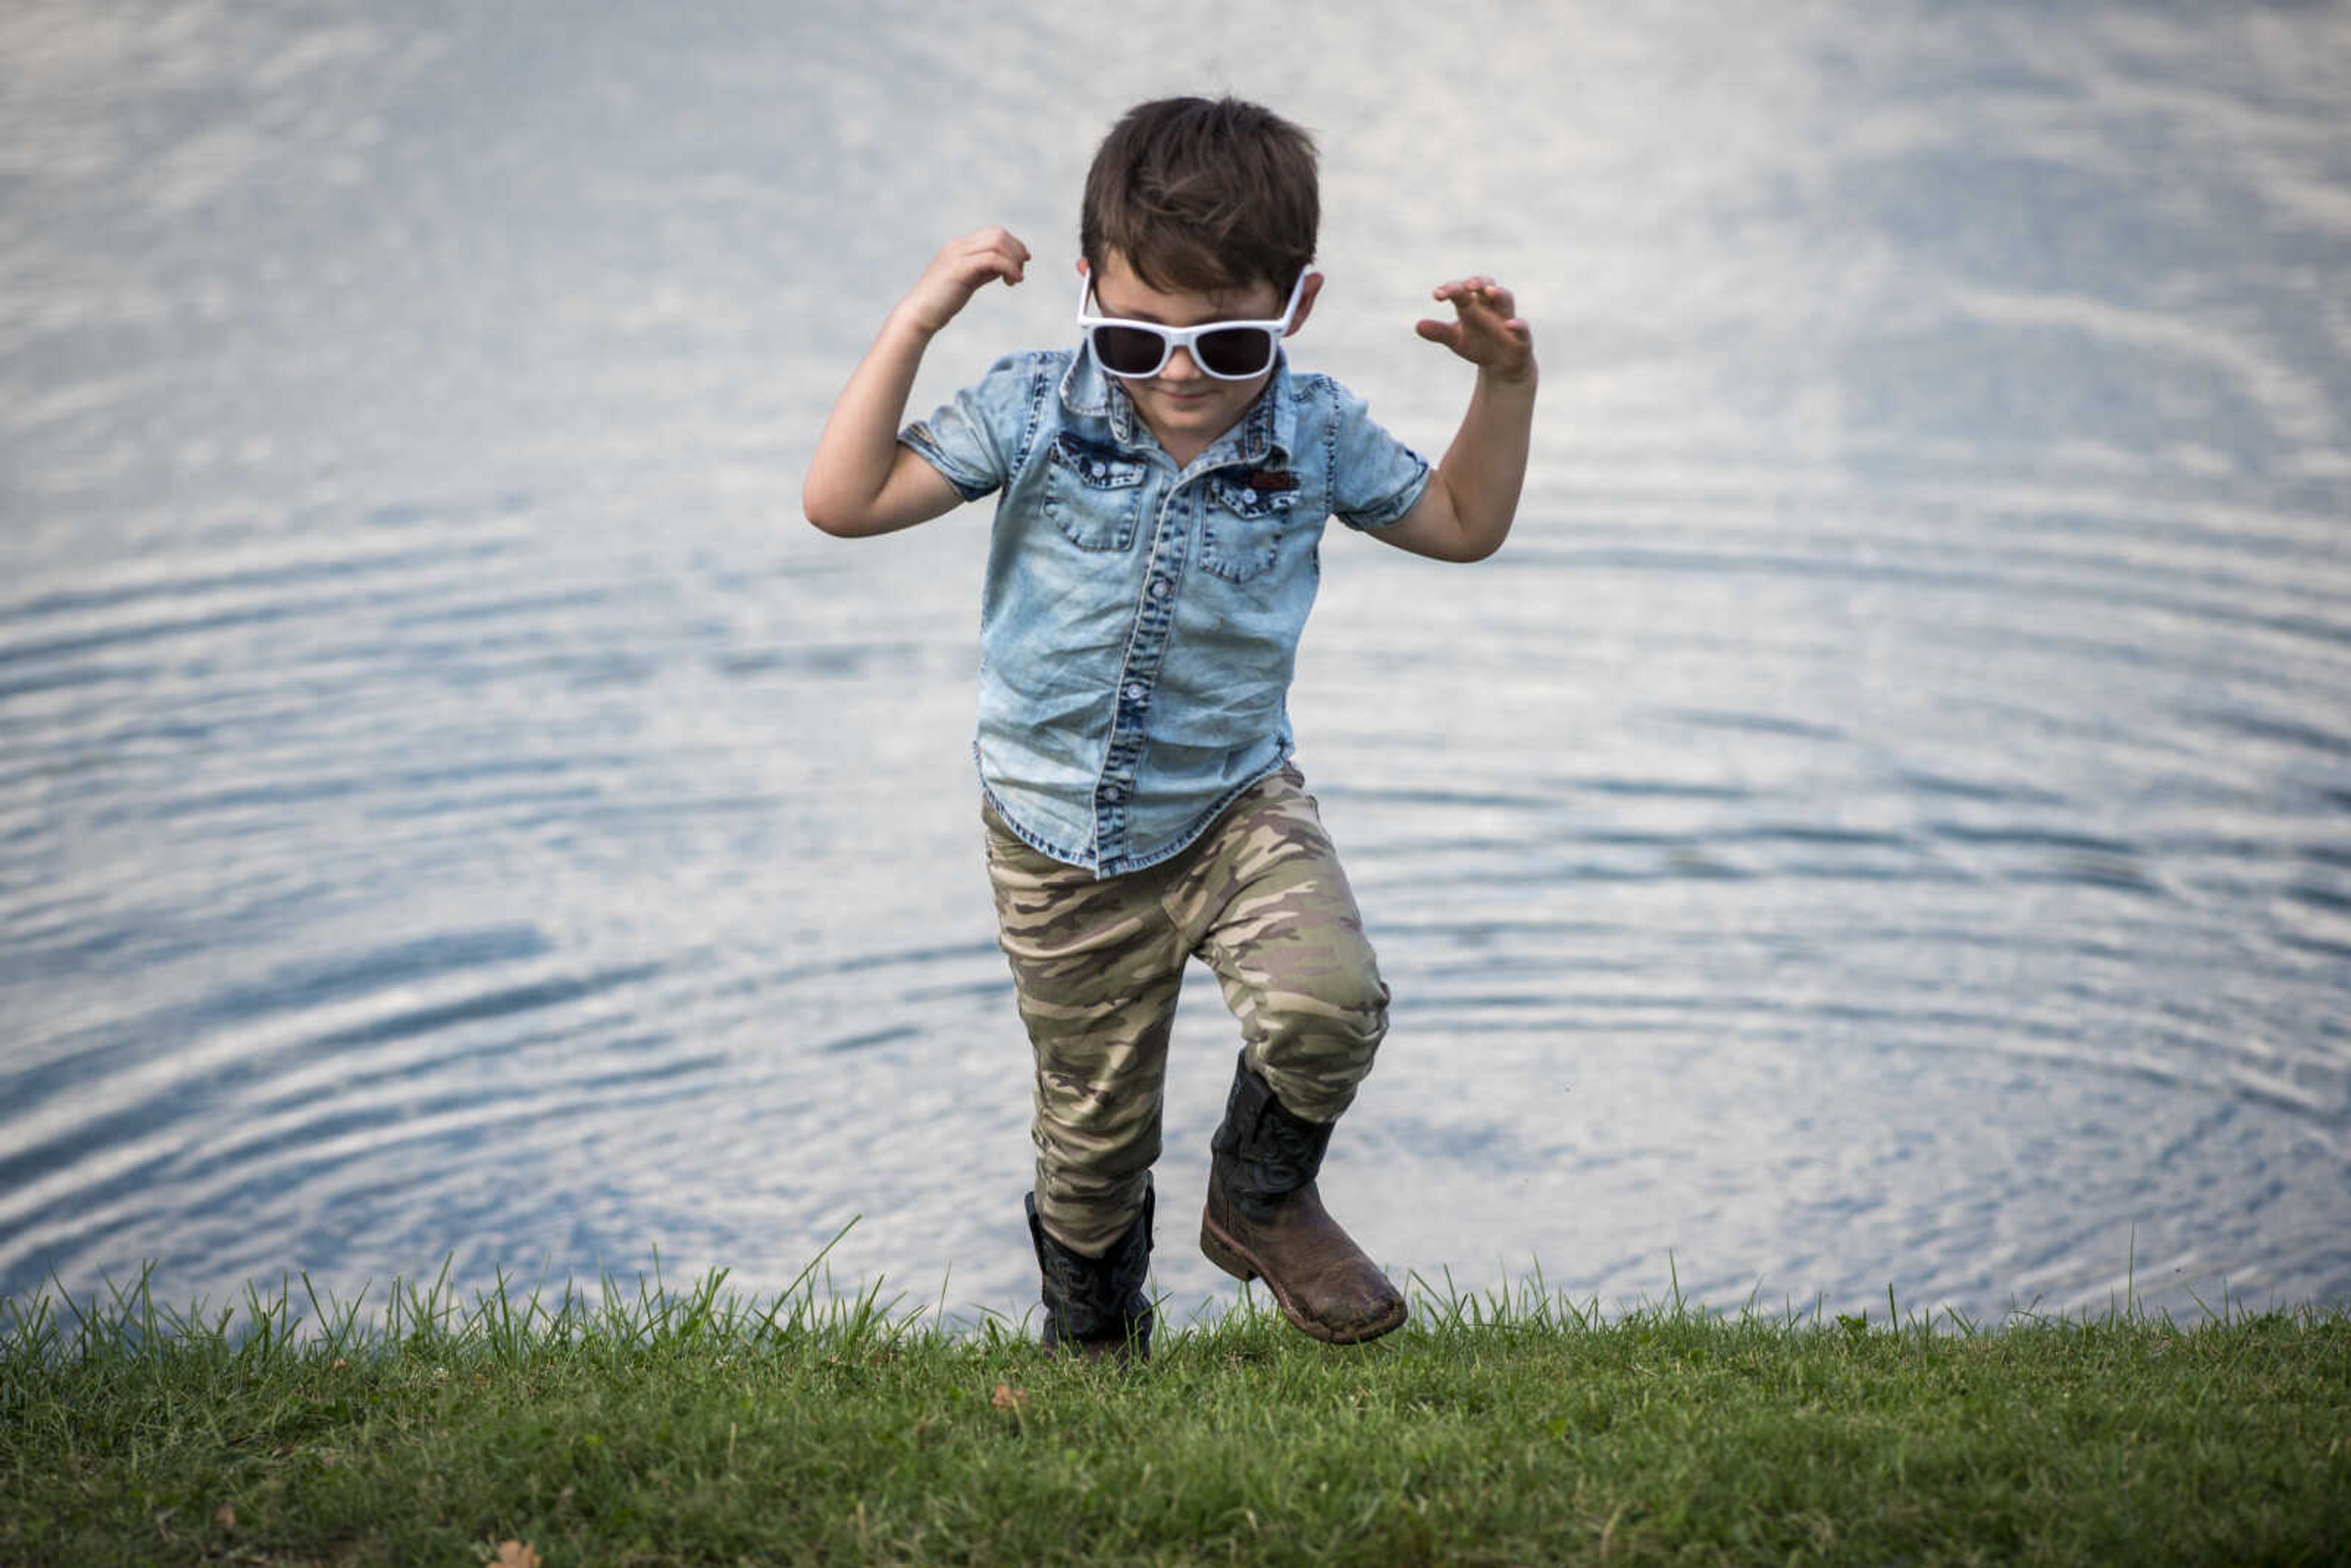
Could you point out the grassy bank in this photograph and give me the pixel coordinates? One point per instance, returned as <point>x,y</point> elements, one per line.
<point>696,1426</point>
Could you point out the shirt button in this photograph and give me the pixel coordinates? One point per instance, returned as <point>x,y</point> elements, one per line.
<point>1158,588</point>
<point>1249,498</point>
<point>1135,691</point>
<point>1100,470</point>
<point>1109,794</point>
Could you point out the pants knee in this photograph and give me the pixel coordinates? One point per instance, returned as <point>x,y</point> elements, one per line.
<point>1345,1004</point>
<point>1314,1043</point>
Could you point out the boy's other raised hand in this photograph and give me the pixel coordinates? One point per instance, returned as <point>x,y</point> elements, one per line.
<point>958,272</point>
<point>1485,329</point>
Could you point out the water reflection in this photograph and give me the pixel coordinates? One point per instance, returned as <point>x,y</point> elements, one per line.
<point>1881,820</point>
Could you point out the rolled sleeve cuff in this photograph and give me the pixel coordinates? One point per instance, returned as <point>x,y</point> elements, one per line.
<point>967,485</point>
<point>1390,512</point>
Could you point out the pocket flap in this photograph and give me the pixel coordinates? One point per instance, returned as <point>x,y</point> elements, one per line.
<point>1098,468</point>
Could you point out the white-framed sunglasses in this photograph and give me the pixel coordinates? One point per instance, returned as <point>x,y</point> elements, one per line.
<point>1229,351</point>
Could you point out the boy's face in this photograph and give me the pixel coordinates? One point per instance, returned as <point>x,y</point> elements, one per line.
<point>1183,406</point>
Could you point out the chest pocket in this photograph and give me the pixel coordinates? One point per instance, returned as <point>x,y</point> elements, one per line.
<point>1241,528</point>
<point>1093,494</point>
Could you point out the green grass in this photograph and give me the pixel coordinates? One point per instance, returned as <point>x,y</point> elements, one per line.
<point>658,1426</point>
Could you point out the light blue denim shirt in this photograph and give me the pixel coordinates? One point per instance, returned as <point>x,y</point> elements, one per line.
<point>1139,623</point>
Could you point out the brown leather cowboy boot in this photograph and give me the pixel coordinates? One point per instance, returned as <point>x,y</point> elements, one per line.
<point>1265,1220</point>
<point>1096,1307</point>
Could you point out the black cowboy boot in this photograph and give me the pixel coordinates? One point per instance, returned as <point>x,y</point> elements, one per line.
<point>1265,1220</point>
<point>1095,1306</point>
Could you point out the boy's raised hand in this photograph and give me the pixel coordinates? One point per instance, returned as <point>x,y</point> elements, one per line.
<point>861,480</point>
<point>958,272</point>
<point>1486,330</point>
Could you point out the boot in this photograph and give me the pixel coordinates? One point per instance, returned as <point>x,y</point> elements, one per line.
<point>1095,1307</point>
<point>1265,1220</point>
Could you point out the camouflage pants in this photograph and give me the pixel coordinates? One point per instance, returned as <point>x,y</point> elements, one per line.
<point>1260,899</point>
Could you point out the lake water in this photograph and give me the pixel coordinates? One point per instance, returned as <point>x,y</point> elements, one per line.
<point>1884,820</point>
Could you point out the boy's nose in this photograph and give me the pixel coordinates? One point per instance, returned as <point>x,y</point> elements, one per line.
<point>1179,366</point>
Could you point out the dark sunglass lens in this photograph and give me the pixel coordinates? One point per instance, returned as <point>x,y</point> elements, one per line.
<point>1237,350</point>
<point>1127,351</point>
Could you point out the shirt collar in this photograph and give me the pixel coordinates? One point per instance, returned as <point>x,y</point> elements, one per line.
<point>1266,432</point>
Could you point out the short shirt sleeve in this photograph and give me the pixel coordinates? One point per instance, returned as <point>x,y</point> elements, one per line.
<point>975,440</point>
<point>1376,479</point>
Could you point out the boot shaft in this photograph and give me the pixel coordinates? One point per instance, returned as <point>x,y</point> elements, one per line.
<point>1096,1303</point>
<point>1264,1151</point>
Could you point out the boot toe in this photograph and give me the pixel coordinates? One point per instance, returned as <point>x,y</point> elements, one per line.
<point>1348,1305</point>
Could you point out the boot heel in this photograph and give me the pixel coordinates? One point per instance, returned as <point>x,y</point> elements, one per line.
<point>1218,1252</point>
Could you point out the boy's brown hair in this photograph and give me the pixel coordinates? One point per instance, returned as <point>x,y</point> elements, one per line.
<point>1204,194</point>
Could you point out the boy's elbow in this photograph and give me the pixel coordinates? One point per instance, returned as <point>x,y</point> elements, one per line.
<point>1476,546</point>
<point>829,514</point>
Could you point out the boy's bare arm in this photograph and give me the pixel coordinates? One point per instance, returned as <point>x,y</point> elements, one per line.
<point>860,481</point>
<point>1465,513</point>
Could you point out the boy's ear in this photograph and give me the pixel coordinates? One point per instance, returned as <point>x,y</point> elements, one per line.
<point>1305,302</point>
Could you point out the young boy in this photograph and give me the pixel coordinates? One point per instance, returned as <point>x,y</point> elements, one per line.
<point>1154,553</point>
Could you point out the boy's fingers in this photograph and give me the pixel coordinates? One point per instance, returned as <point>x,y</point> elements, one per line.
<point>1485,324</point>
<point>1477,295</point>
<point>998,250</point>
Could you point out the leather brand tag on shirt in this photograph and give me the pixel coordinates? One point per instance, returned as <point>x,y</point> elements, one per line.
<point>1268,480</point>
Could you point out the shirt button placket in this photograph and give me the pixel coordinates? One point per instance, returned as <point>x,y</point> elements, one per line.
<point>1149,642</point>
